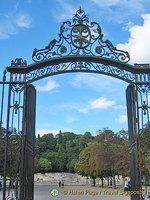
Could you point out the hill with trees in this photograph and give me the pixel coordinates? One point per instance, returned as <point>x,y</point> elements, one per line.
<point>60,153</point>
<point>107,155</point>
<point>104,155</point>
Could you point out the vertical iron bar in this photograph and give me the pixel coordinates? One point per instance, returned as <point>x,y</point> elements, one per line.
<point>138,137</point>
<point>147,103</point>
<point>22,143</point>
<point>6,143</point>
<point>22,148</point>
<point>2,102</point>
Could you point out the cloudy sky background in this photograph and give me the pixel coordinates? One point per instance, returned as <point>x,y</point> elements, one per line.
<point>76,102</point>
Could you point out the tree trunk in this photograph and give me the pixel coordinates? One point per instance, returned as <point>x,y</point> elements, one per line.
<point>102,179</point>
<point>87,180</point>
<point>94,181</point>
<point>123,182</point>
<point>108,181</point>
<point>114,181</point>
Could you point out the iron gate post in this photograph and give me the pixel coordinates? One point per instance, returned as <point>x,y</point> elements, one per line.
<point>27,160</point>
<point>133,145</point>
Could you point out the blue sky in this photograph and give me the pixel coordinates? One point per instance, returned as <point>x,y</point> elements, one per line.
<point>76,102</point>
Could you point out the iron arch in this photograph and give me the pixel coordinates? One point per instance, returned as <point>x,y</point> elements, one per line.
<point>80,63</point>
<point>80,48</point>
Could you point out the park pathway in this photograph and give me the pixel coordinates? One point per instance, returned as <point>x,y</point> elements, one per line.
<point>42,192</point>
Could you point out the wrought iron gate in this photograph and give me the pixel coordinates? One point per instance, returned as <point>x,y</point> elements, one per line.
<point>80,48</point>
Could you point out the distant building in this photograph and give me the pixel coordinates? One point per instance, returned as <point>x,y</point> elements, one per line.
<point>98,132</point>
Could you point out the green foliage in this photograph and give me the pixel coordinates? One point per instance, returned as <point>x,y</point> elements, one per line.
<point>45,143</point>
<point>62,151</point>
<point>99,156</point>
<point>13,153</point>
<point>71,165</point>
<point>145,139</point>
<point>145,147</point>
<point>106,156</point>
<point>44,165</point>
<point>115,147</point>
<point>2,149</point>
<point>147,160</point>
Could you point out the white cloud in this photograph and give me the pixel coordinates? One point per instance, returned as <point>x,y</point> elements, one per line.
<point>84,110</point>
<point>9,23</point>
<point>64,11</point>
<point>136,4</point>
<point>102,103</point>
<point>128,26</point>
<point>75,106</point>
<point>70,119</point>
<point>7,26</point>
<point>122,119</point>
<point>86,80</point>
<point>24,20</point>
<point>99,103</point>
<point>120,10</point>
<point>138,44</point>
<point>120,107</point>
<point>97,82</point>
<point>105,3</point>
<point>42,132</point>
<point>50,85</point>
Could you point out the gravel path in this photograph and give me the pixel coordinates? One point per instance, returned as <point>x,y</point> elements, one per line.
<point>78,193</point>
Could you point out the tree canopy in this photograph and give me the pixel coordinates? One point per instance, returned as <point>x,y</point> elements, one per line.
<point>62,150</point>
<point>101,156</point>
<point>107,155</point>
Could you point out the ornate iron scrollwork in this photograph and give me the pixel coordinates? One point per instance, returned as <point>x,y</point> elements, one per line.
<point>80,37</point>
<point>81,66</point>
<point>144,104</point>
<point>18,62</point>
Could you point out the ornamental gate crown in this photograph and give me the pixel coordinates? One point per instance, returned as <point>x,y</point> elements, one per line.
<point>80,37</point>
<point>80,48</point>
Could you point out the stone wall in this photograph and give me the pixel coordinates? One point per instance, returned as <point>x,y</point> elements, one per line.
<point>69,179</point>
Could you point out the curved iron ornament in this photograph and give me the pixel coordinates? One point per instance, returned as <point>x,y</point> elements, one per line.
<point>80,48</point>
<point>80,66</point>
<point>80,37</point>
<point>22,73</point>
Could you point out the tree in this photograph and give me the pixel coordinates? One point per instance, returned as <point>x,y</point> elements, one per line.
<point>106,155</point>
<point>44,165</point>
<point>63,150</point>
<point>86,165</point>
<point>53,158</point>
<point>112,152</point>
<point>2,149</point>
<point>62,159</point>
<point>145,149</point>
<point>71,165</point>
<point>145,138</point>
<point>45,143</point>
